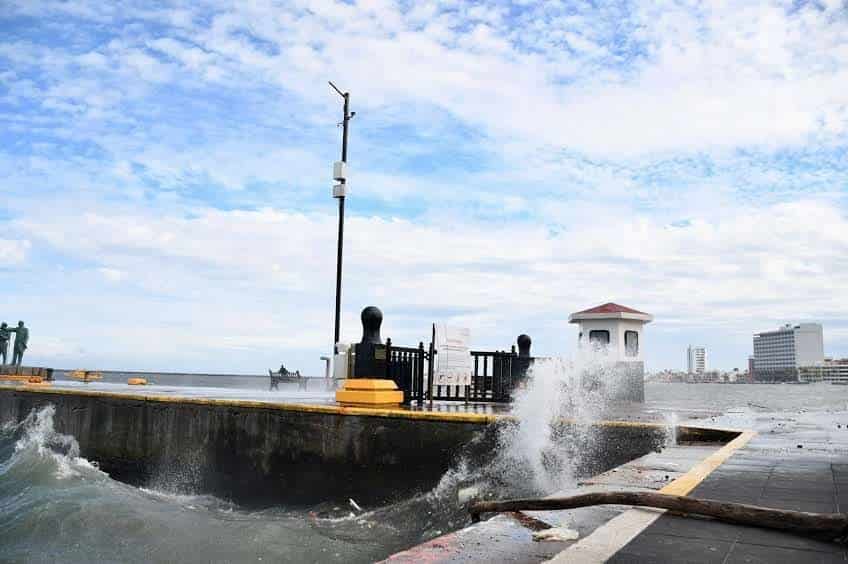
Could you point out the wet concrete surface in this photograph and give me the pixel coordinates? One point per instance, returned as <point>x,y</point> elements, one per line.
<point>798,461</point>
<point>504,538</point>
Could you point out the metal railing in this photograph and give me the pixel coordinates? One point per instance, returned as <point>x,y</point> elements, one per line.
<point>407,367</point>
<point>494,378</point>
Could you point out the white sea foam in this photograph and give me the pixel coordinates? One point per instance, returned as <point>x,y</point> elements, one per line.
<point>555,414</point>
<point>672,421</point>
<point>39,437</point>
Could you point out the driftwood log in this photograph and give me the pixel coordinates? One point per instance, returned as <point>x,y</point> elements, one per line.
<point>827,526</point>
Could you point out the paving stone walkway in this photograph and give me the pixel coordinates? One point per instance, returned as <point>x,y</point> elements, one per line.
<point>766,474</point>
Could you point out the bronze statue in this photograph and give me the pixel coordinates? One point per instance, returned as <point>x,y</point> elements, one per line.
<point>5,335</point>
<point>21,340</point>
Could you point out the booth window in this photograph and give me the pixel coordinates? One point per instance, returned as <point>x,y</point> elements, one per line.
<point>631,343</point>
<point>599,337</point>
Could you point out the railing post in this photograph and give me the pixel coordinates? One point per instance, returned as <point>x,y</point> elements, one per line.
<point>419,392</point>
<point>430,366</point>
<point>475,379</point>
<point>388,374</point>
<point>408,367</point>
<point>485,376</point>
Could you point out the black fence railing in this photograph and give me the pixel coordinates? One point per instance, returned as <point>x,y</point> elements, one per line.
<point>407,366</point>
<point>495,375</point>
<point>492,376</point>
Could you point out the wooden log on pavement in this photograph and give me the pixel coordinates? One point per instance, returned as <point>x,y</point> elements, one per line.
<point>828,526</point>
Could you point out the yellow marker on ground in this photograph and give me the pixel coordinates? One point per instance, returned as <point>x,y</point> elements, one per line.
<point>86,375</point>
<point>36,381</point>
<point>369,392</point>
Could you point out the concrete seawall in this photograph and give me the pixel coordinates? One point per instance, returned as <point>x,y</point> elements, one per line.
<point>262,453</point>
<point>256,454</point>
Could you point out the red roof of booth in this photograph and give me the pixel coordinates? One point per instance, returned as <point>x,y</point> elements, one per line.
<point>612,308</point>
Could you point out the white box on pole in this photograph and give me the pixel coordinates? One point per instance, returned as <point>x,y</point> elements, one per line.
<point>339,170</point>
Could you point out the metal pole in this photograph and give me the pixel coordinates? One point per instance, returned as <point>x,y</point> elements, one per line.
<point>339,272</point>
<point>340,245</point>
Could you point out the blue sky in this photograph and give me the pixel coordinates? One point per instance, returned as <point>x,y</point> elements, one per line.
<point>166,174</point>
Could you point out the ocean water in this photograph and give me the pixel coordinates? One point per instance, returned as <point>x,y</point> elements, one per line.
<point>56,506</point>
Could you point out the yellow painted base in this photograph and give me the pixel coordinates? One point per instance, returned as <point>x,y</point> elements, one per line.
<point>86,375</point>
<point>14,378</point>
<point>369,392</point>
<point>136,381</point>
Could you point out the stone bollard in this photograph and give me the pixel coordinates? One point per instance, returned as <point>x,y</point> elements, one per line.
<point>369,386</point>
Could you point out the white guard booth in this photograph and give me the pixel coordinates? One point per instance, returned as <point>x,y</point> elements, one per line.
<point>615,331</point>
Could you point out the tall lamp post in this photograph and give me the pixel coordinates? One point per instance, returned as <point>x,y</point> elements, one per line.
<point>339,192</point>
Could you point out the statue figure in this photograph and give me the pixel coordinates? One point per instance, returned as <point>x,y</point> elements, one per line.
<point>21,340</point>
<point>5,335</point>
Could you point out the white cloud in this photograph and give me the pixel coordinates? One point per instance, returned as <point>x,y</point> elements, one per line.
<point>695,77</point>
<point>13,252</point>
<point>509,164</point>
<point>253,270</point>
<point>112,274</point>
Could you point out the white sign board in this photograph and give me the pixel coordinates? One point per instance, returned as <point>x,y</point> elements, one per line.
<point>453,361</point>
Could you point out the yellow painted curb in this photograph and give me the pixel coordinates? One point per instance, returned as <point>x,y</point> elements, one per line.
<point>136,381</point>
<point>14,378</point>
<point>690,480</point>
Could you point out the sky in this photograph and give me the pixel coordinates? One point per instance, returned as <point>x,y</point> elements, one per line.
<point>166,175</point>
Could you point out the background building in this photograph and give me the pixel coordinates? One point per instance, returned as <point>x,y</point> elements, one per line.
<point>829,371</point>
<point>778,355</point>
<point>696,360</point>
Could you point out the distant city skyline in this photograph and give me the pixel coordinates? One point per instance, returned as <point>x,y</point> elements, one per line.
<point>167,175</point>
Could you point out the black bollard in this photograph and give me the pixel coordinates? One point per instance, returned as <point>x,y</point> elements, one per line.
<point>522,363</point>
<point>524,343</point>
<point>369,385</point>
<point>370,353</point>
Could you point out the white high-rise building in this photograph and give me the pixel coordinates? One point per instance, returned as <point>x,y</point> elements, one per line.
<point>696,359</point>
<point>779,354</point>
